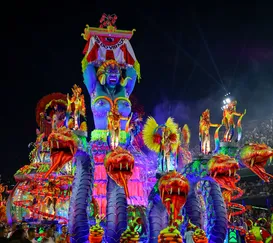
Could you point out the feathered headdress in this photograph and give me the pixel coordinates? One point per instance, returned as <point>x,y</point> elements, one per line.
<point>174,133</point>
<point>102,70</point>
<point>205,115</point>
<point>185,135</point>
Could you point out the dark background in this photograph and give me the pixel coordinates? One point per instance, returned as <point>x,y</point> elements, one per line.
<point>190,56</point>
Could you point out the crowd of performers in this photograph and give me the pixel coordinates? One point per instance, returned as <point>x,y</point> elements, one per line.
<point>105,191</point>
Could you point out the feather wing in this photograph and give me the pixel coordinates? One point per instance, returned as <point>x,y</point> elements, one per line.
<point>186,134</point>
<point>171,125</point>
<point>175,132</point>
<point>149,131</point>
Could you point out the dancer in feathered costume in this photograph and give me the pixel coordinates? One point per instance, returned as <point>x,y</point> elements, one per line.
<point>204,134</point>
<point>228,121</point>
<point>183,153</point>
<point>162,139</point>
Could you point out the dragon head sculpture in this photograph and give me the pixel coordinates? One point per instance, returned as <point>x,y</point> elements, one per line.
<point>119,166</point>
<point>255,157</point>
<point>63,146</point>
<point>223,169</point>
<point>174,189</point>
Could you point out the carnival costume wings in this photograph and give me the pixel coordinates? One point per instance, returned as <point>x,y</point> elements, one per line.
<point>185,135</point>
<point>183,154</point>
<point>158,142</point>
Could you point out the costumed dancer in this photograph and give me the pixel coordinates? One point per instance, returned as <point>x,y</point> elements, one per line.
<point>256,233</point>
<point>79,106</point>
<point>114,118</point>
<point>228,121</point>
<point>165,144</point>
<point>204,135</point>
<point>64,236</point>
<point>183,153</point>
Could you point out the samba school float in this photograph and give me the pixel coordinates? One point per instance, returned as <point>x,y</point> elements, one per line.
<point>110,189</point>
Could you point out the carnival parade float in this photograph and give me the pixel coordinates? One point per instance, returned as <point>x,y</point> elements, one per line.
<point>110,189</point>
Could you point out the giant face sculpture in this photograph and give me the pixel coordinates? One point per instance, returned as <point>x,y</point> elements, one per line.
<point>112,74</point>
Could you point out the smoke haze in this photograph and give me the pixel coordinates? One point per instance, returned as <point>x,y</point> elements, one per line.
<point>252,88</point>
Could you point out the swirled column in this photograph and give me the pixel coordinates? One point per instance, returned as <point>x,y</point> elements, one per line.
<point>216,212</point>
<point>116,211</point>
<point>81,193</point>
<point>157,216</point>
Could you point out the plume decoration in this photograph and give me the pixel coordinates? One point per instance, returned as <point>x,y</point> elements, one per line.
<point>171,125</point>
<point>151,138</point>
<point>84,63</point>
<point>186,134</point>
<point>217,140</point>
<point>137,68</point>
<point>174,133</point>
<point>83,126</point>
<point>239,126</point>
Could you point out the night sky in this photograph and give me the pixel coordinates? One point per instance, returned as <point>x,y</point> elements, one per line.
<point>190,56</point>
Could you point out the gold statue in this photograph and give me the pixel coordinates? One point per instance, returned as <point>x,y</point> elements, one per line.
<point>204,127</point>
<point>79,106</point>
<point>114,118</point>
<point>228,121</point>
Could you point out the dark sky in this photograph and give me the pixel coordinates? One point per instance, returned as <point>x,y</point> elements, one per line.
<point>44,51</point>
